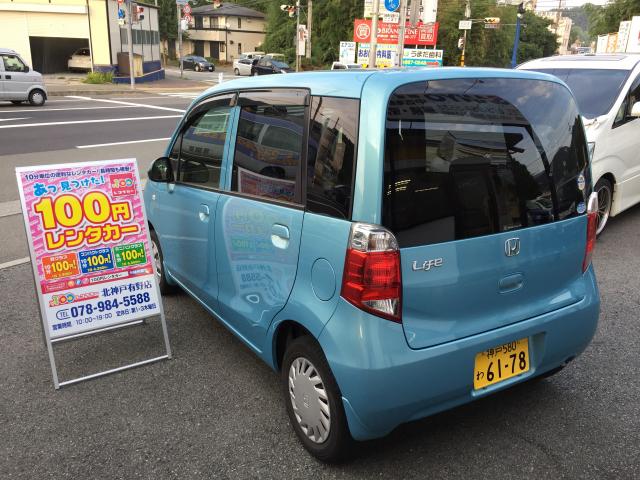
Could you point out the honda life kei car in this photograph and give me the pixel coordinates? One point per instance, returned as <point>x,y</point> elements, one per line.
<point>392,258</point>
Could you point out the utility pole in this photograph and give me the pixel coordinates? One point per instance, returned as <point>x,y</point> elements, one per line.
<point>179,10</point>
<point>309,25</point>
<point>401,29</point>
<point>374,34</point>
<point>132,77</point>
<point>467,15</point>
<point>297,33</point>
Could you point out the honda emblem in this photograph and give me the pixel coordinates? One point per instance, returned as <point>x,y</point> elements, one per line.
<point>512,247</point>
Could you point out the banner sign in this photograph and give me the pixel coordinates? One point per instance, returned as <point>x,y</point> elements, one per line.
<point>388,33</point>
<point>427,10</point>
<point>89,245</point>
<point>347,52</point>
<point>414,57</point>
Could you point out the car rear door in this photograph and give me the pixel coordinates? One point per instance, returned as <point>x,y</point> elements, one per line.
<point>16,80</point>
<point>259,218</point>
<point>485,187</point>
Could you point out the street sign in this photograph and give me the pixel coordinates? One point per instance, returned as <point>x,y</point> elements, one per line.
<point>121,14</point>
<point>492,26</point>
<point>464,25</point>
<point>182,2</point>
<point>120,2</point>
<point>391,17</point>
<point>186,9</point>
<point>391,5</point>
<point>187,18</point>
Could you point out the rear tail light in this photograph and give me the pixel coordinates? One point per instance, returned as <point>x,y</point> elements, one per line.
<point>592,227</point>
<point>372,280</point>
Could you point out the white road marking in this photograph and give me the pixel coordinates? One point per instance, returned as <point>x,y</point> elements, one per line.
<point>11,119</point>
<point>155,107</point>
<point>74,122</point>
<point>13,263</point>
<point>124,143</point>
<point>63,109</point>
<point>10,208</point>
<point>180,94</point>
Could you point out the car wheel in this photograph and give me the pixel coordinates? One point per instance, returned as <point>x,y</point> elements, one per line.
<point>37,98</point>
<point>16,102</point>
<point>255,74</point>
<point>197,68</point>
<point>604,190</point>
<point>314,402</point>
<point>156,251</point>
<point>236,72</point>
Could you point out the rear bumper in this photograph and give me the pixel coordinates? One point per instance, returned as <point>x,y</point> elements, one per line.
<point>385,383</point>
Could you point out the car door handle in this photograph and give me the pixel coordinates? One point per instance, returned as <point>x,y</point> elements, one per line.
<point>511,283</point>
<point>8,77</point>
<point>280,236</point>
<point>203,214</point>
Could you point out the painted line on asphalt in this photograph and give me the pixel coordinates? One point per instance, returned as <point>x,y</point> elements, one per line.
<point>124,143</point>
<point>10,208</point>
<point>11,119</point>
<point>155,107</point>
<point>62,109</point>
<point>13,263</point>
<point>75,122</point>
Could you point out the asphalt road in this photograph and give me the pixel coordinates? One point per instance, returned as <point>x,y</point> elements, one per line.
<point>215,411</point>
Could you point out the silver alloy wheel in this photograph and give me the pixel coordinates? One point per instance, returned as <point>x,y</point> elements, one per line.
<point>309,400</point>
<point>158,261</point>
<point>37,98</point>
<point>604,206</point>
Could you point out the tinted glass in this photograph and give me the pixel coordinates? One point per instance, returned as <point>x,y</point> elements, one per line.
<point>12,63</point>
<point>595,90</point>
<point>278,64</point>
<point>465,158</point>
<point>268,151</point>
<point>332,151</point>
<point>203,147</point>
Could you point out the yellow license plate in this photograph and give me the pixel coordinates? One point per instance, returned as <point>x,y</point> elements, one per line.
<point>500,363</point>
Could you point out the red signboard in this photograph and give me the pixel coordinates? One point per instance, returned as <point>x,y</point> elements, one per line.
<point>388,33</point>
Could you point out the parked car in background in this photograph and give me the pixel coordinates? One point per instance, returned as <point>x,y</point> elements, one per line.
<point>607,89</point>
<point>252,55</point>
<point>18,83</point>
<point>80,60</point>
<point>197,63</point>
<point>267,65</point>
<point>390,258</point>
<point>244,66</point>
<point>344,66</point>
<point>276,56</point>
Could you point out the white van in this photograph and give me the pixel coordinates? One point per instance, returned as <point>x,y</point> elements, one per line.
<point>607,88</point>
<point>18,82</point>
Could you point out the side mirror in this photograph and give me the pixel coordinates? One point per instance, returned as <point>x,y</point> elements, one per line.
<point>26,69</point>
<point>635,110</point>
<point>161,171</point>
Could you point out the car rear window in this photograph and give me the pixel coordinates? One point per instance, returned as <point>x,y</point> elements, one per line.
<point>472,157</point>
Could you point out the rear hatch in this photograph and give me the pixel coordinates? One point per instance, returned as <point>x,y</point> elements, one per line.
<point>485,187</point>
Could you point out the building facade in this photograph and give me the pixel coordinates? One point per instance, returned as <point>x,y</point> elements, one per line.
<point>47,32</point>
<point>225,32</point>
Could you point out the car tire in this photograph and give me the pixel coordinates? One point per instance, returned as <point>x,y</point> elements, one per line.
<point>604,190</point>
<point>236,72</point>
<point>197,68</point>
<point>317,416</point>
<point>255,74</point>
<point>16,102</point>
<point>165,287</point>
<point>37,97</point>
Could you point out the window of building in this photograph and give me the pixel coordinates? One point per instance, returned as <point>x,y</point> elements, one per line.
<point>239,22</point>
<point>198,21</point>
<point>222,47</point>
<point>214,22</point>
<point>268,151</point>
<point>239,48</point>
<point>332,151</point>
<point>202,147</point>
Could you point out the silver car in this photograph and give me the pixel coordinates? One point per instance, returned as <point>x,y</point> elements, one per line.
<point>244,66</point>
<point>18,83</point>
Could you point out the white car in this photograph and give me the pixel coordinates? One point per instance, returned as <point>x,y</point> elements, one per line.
<point>18,82</point>
<point>243,66</point>
<point>344,66</point>
<point>80,60</point>
<point>607,88</point>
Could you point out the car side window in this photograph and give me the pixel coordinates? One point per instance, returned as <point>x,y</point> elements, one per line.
<point>268,151</point>
<point>201,146</point>
<point>12,64</point>
<point>333,133</point>
<point>624,112</point>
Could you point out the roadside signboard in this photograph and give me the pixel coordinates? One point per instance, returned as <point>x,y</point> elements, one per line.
<point>422,57</point>
<point>187,18</point>
<point>388,33</point>
<point>633,43</point>
<point>391,17</point>
<point>347,52</point>
<point>601,45</point>
<point>464,25</point>
<point>623,36</point>
<point>90,248</point>
<point>186,9</point>
<point>385,55</point>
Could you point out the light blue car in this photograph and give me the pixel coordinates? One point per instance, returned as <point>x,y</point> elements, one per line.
<point>395,243</point>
